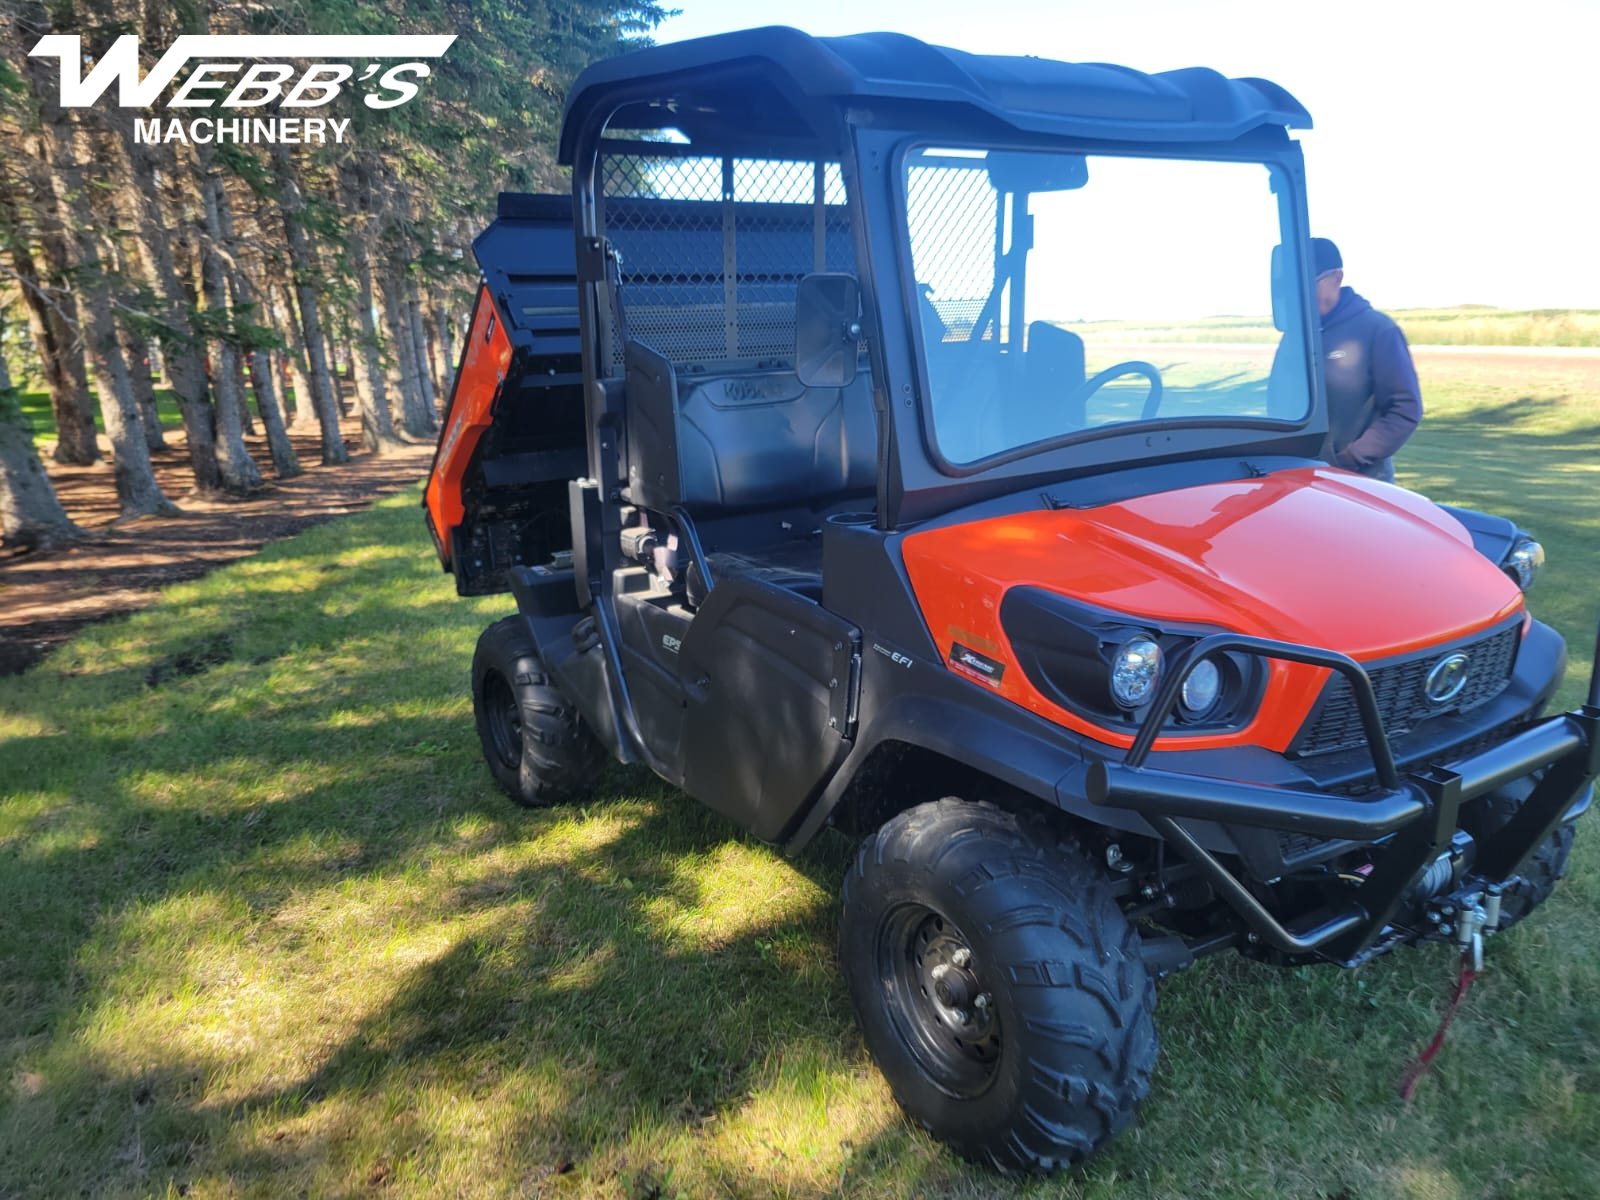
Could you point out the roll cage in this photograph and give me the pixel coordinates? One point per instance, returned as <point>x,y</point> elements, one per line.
<point>853,106</point>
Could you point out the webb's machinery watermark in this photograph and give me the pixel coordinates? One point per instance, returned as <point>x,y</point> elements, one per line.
<point>315,78</point>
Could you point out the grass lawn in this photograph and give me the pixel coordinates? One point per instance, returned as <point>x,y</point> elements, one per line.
<point>267,929</point>
<point>1469,325</point>
<point>36,408</point>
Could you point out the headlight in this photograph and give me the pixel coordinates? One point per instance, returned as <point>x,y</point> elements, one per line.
<point>1107,667</point>
<point>1134,671</point>
<point>1524,561</point>
<point>1201,687</point>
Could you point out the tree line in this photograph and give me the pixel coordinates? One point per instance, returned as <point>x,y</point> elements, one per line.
<point>238,266</point>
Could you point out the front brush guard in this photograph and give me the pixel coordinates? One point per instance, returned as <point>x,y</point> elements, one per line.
<point>1420,811</point>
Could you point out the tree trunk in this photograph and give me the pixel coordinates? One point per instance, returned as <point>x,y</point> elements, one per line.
<point>443,351</point>
<point>305,404</point>
<point>73,404</point>
<point>242,361</point>
<point>66,147</point>
<point>391,361</point>
<point>377,424</point>
<point>416,419</point>
<point>239,471</point>
<point>240,474</point>
<point>166,254</point>
<point>419,343</point>
<point>136,349</point>
<point>333,372</point>
<point>158,255</point>
<point>31,518</point>
<point>285,464</point>
<point>52,318</point>
<point>200,432</point>
<point>286,323</point>
<point>302,263</point>
<point>137,352</point>
<point>241,375</point>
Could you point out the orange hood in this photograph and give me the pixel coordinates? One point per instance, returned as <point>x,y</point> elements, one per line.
<point>1312,555</point>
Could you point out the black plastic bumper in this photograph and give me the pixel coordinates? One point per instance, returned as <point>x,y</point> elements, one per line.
<point>1419,812</point>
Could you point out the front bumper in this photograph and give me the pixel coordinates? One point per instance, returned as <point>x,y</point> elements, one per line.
<point>1416,815</point>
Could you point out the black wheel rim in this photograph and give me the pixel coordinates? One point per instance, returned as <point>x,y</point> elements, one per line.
<point>504,719</point>
<point>938,1001</point>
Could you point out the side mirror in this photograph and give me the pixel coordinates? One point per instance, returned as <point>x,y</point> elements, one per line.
<point>1280,302</point>
<point>827,329</point>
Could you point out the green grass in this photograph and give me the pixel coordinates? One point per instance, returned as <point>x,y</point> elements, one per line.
<point>1494,439</point>
<point>1470,325</point>
<point>267,929</point>
<point>36,408</point>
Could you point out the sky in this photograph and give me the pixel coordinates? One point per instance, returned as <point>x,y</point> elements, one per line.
<point>1455,147</point>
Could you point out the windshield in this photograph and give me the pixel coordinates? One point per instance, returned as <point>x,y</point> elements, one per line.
<point>1069,295</point>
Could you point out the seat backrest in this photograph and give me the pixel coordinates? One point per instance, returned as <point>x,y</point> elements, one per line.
<point>746,439</point>
<point>763,438</point>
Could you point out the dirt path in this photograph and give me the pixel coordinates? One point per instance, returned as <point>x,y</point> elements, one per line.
<point>46,598</point>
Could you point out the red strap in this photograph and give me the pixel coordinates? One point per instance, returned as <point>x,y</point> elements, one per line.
<point>1419,1067</point>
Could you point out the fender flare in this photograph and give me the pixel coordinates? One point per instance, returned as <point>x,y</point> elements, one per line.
<point>1046,762</point>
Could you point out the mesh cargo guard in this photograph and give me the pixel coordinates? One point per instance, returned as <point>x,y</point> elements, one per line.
<point>712,248</point>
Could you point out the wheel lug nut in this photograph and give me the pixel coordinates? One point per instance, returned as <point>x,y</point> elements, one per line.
<point>961,957</point>
<point>963,1016</point>
<point>981,1002</point>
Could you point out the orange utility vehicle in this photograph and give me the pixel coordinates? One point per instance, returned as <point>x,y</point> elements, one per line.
<point>849,446</point>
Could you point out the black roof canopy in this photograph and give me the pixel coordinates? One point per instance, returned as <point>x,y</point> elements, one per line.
<point>1034,95</point>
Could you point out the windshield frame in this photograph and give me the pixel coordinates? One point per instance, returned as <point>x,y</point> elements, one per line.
<point>1287,181</point>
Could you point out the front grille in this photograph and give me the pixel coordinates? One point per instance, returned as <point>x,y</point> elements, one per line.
<point>1335,721</point>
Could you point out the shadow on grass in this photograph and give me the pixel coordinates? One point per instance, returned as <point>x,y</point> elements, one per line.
<point>204,757</point>
<point>578,1009</point>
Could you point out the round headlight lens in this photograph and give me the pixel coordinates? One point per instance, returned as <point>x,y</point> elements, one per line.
<point>1201,686</point>
<point>1523,563</point>
<point>1134,671</point>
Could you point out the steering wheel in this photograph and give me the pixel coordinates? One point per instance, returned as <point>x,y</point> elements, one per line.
<point>1080,394</point>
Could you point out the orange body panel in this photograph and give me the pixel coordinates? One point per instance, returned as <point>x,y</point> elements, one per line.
<point>1313,555</point>
<point>483,370</point>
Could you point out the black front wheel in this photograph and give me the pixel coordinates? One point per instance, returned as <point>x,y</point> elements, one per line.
<point>1542,869</point>
<point>537,746</point>
<point>998,985</point>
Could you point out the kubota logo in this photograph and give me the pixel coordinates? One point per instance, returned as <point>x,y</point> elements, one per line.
<point>1446,679</point>
<point>213,81</point>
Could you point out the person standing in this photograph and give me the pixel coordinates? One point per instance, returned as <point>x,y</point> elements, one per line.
<point>1374,401</point>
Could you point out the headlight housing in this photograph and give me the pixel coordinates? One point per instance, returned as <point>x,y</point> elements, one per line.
<point>1135,671</point>
<point>1523,560</point>
<point>1107,668</point>
<point>1202,688</point>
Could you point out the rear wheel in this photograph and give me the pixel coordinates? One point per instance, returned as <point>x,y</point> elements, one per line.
<point>537,746</point>
<point>998,986</point>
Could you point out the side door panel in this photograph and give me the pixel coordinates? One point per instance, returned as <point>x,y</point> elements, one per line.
<point>771,681</point>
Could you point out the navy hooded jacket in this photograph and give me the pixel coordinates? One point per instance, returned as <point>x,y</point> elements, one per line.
<point>1374,402</point>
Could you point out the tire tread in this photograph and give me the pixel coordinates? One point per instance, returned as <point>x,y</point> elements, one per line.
<point>561,758</point>
<point>1084,1034</point>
